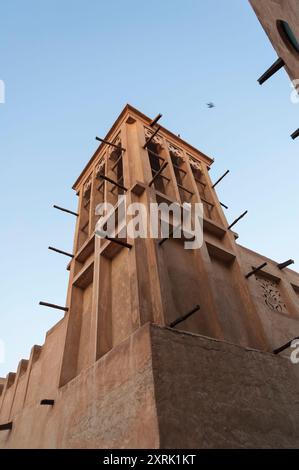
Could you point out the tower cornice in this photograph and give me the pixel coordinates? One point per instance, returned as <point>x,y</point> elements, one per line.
<point>127,111</point>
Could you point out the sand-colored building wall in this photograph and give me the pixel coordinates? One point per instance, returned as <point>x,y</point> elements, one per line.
<point>36,378</point>
<point>212,394</point>
<point>268,13</point>
<point>90,359</point>
<point>275,293</point>
<point>169,389</point>
<point>109,405</point>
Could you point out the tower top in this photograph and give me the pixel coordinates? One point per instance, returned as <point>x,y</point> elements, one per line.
<point>131,114</point>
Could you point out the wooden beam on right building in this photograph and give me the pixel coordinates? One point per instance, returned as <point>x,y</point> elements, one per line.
<point>278,64</point>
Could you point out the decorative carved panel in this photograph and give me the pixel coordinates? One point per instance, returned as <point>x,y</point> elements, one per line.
<point>176,152</point>
<point>100,168</point>
<point>115,153</point>
<point>157,139</point>
<point>87,189</point>
<point>271,294</point>
<point>117,140</point>
<point>195,164</point>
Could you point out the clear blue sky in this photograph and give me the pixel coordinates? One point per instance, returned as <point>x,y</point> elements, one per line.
<point>70,66</point>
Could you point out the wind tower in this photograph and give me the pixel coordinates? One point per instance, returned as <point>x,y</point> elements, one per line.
<point>160,346</point>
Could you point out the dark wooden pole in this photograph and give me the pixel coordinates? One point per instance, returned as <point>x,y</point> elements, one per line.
<point>184,317</point>
<point>113,182</point>
<point>220,179</point>
<point>237,220</point>
<point>285,264</point>
<point>295,134</point>
<point>119,242</point>
<point>151,137</point>
<point>46,304</point>
<point>255,270</point>
<point>158,173</point>
<point>66,210</point>
<point>271,71</point>
<point>110,143</point>
<point>60,251</point>
<point>154,121</point>
<point>285,346</point>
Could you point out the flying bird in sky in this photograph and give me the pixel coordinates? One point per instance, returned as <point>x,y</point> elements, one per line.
<point>210,105</point>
